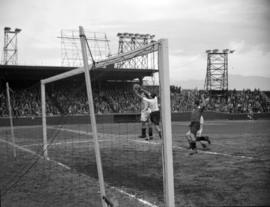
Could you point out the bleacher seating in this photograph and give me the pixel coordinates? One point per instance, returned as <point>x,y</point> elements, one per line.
<point>120,98</point>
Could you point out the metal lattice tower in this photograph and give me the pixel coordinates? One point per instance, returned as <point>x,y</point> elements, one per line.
<point>71,47</point>
<point>129,42</point>
<point>217,70</point>
<point>10,49</point>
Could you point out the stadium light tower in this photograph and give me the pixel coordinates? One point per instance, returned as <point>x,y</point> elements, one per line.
<point>10,49</point>
<point>217,70</point>
<point>132,41</point>
<point>71,47</point>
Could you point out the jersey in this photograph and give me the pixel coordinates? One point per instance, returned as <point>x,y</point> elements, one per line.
<point>144,106</point>
<point>196,114</point>
<point>199,133</point>
<point>152,104</point>
<point>145,111</point>
<point>201,120</point>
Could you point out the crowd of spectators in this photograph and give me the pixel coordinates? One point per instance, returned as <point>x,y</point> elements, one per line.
<point>120,98</point>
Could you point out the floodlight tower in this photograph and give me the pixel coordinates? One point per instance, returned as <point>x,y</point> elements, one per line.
<point>71,47</point>
<point>10,46</point>
<point>131,41</point>
<point>217,70</point>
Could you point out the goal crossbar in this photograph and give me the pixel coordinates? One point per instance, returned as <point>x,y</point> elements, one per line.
<point>150,48</point>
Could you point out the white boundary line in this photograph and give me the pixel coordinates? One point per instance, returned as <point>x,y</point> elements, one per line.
<point>205,152</point>
<point>157,143</point>
<point>217,153</point>
<point>67,167</point>
<point>145,142</point>
<point>62,143</point>
<point>70,130</point>
<point>135,197</point>
<point>32,152</point>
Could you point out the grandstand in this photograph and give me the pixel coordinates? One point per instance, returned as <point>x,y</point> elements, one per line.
<point>112,83</point>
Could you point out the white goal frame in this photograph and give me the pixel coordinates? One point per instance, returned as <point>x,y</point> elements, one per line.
<point>163,65</point>
<point>10,115</point>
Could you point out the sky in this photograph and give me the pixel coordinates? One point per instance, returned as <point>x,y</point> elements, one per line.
<point>191,27</point>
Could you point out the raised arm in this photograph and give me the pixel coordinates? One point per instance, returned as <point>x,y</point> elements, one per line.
<point>136,89</point>
<point>146,92</point>
<point>137,94</point>
<point>204,101</point>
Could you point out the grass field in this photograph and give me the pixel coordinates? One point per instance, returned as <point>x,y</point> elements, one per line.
<point>234,172</point>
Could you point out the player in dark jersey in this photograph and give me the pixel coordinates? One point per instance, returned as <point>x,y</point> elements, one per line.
<point>194,125</point>
<point>202,138</point>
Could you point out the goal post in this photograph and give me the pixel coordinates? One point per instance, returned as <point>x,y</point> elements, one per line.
<point>163,64</point>
<point>44,122</point>
<point>11,120</point>
<point>92,115</point>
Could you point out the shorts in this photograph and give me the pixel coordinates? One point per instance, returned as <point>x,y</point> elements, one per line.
<point>145,116</point>
<point>155,117</point>
<point>194,127</point>
<point>199,132</point>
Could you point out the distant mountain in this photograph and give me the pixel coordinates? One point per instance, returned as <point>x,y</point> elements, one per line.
<point>251,82</point>
<point>238,82</point>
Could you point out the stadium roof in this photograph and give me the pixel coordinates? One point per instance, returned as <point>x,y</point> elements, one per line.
<point>36,73</point>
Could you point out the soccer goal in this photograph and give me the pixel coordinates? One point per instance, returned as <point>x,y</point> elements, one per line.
<point>95,123</point>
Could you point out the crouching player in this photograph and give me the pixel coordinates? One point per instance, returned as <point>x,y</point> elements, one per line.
<point>204,140</point>
<point>195,125</point>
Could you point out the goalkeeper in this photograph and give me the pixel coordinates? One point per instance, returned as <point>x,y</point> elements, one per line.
<point>145,114</point>
<point>152,103</point>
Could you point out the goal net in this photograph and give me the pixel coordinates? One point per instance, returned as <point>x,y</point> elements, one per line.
<point>91,124</point>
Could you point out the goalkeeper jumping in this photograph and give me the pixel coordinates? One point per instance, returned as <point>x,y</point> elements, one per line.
<point>152,102</point>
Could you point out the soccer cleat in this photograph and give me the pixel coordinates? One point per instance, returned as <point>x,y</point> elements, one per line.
<point>207,139</point>
<point>159,134</point>
<point>204,146</point>
<point>149,138</point>
<point>193,151</point>
<point>143,134</point>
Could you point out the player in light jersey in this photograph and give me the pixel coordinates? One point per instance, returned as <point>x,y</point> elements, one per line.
<point>145,119</point>
<point>152,101</point>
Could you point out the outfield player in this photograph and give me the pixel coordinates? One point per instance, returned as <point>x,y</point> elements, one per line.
<point>202,139</point>
<point>199,137</point>
<point>152,102</point>
<point>195,124</point>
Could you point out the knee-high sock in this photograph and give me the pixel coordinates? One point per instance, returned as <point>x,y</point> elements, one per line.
<point>143,132</point>
<point>150,131</point>
<point>193,145</point>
